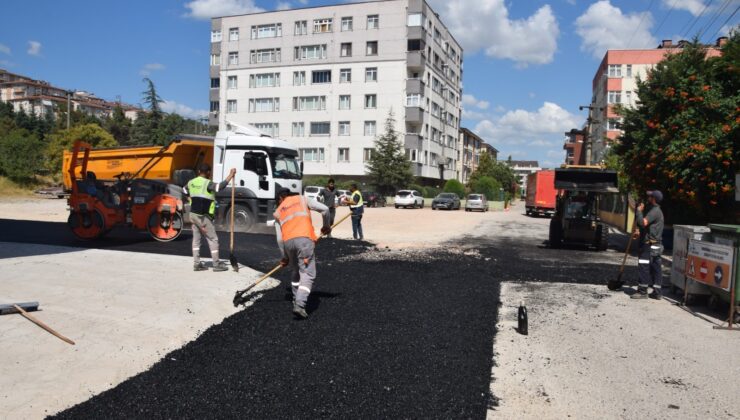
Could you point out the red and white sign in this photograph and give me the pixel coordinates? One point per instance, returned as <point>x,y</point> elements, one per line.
<point>710,263</point>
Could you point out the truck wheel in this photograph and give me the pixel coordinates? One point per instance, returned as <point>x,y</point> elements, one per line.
<point>243,219</point>
<point>602,238</point>
<point>556,234</point>
<point>165,228</point>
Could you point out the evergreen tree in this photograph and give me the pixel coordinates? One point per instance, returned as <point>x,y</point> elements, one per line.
<point>151,98</point>
<point>119,126</point>
<point>388,167</point>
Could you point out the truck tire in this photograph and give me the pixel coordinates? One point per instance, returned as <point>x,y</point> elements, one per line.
<point>556,234</point>
<point>602,238</point>
<point>243,219</point>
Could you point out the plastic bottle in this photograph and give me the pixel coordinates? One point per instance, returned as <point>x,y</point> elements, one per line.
<point>522,319</point>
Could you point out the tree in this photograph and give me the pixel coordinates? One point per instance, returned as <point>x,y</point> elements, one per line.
<point>388,167</point>
<point>64,139</point>
<point>119,126</point>
<point>454,186</point>
<point>151,98</point>
<point>500,171</point>
<point>682,136</point>
<point>488,186</point>
<point>21,155</point>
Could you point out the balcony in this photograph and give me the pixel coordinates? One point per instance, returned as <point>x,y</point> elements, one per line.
<point>415,86</point>
<point>413,141</point>
<point>417,32</point>
<point>414,114</point>
<point>416,60</point>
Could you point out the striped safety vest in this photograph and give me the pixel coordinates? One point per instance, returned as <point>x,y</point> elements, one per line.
<point>294,217</point>
<point>201,200</point>
<point>357,198</point>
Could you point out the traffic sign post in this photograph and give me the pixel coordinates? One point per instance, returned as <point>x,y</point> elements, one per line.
<point>714,265</point>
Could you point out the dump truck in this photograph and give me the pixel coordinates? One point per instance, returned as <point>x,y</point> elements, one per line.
<point>576,219</point>
<point>264,165</point>
<point>541,193</point>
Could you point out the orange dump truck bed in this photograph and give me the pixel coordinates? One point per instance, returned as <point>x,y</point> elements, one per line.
<point>160,163</point>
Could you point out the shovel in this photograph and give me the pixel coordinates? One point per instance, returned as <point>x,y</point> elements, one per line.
<point>232,257</point>
<point>240,296</point>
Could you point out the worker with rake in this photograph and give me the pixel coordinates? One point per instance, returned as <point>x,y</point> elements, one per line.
<point>297,239</point>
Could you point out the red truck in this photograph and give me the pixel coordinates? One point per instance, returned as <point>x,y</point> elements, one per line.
<point>541,193</point>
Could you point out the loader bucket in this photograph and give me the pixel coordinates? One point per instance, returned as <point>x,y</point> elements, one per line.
<point>586,179</point>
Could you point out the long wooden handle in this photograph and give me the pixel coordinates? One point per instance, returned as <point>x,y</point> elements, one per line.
<point>629,244</point>
<point>42,325</point>
<point>233,191</point>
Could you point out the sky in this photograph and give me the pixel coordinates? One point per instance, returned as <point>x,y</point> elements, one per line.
<point>528,64</point>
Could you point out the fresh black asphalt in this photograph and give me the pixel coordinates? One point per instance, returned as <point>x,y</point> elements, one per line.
<point>400,336</point>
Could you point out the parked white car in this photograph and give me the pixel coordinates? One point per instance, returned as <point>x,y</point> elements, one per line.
<point>341,195</point>
<point>312,191</point>
<point>408,198</point>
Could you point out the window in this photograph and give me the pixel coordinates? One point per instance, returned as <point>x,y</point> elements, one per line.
<point>215,82</point>
<point>372,48</point>
<point>436,85</point>
<point>231,106</point>
<point>301,27</point>
<point>231,82</point>
<point>371,101</point>
<point>612,124</point>
<point>215,59</point>
<point>264,105</point>
<point>216,36</point>
<point>628,97</point>
<point>346,49</point>
<point>345,75</point>
<point>310,52</point>
<point>269,55</point>
<point>233,58</point>
<point>271,129</point>
<point>367,154</point>
<point>309,103</point>
<point>373,21</point>
<point>299,78</point>
<point>344,128</point>
<point>629,70</point>
<point>370,128</point>
<point>615,97</point>
<point>343,155</point>
<point>371,74</point>
<point>299,129</point>
<point>272,30</point>
<point>321,76</point>
<point>415,19</point>
<point>322,25</point>
<point>234,34</point>
<point>615,70</point>
<point>414,45</point>
<point>320,128</point>
<point>264,80</point>
<point>346,24</point>
<point>312,155</point>
<point>411,154</point>
<point>437,35</point>
<point>436,110</point>
<point>215,105</point>
<point>344,102</point>
<point>414,99</point>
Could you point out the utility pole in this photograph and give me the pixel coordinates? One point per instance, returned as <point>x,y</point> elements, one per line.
<point>69,106</point>
<point>587,140</point>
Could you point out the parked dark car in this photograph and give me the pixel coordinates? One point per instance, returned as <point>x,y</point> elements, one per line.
<point>449,201</point>
<point>373,199</point>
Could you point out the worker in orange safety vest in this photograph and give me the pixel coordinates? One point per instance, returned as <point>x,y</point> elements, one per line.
<point>297,239</point>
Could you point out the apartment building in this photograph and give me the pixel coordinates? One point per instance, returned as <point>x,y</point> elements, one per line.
<point>325,78</point>
<point>573,146</point>
<point>615,83</point>
<point>469,153</point>
<point>521,169</point>
<point>41,98</point>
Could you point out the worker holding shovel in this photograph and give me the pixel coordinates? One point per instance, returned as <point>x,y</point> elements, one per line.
<point>297,239</point>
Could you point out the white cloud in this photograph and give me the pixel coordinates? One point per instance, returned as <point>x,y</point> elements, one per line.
<point>552,154</point>
<point>206,9</point>
<point>473,115</point>
<point>532,94</point>
<point>499,108</point>
<point>603,27</point>
<point>283,5</point>
<point>4,49</point>
<point>471,100</point>
<point>34,48</point>
<point>525,127</point>
<point>540,142</point>
<point>149,68</point>
<point>485,25</point>
<point>183,110</point>
<point>695,7</point>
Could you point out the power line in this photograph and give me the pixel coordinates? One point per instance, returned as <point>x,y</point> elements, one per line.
<point>724,23</point>
<point>650,6</point>
<point>666,16</point>
<point>684,31</point>
<point>714,18</point>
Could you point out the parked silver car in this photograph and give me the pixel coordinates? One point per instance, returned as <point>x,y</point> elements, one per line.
<point>476,202</point>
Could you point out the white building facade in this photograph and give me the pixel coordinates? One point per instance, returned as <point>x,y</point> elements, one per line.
<point>325,79</point>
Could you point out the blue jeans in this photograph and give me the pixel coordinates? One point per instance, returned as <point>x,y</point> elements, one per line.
<point>357,226</point>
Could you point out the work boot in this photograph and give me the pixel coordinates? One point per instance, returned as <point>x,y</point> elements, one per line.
<point>199,266</point>
<point>220,266</point>
<point>641,293</point>
<point>298,311</point>
<point>655,294</point>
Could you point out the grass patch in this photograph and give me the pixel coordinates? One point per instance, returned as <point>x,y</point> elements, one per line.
<point>10,188</point>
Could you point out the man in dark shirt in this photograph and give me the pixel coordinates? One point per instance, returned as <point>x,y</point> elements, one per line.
<point>650,224</point>
<point>328,196</point>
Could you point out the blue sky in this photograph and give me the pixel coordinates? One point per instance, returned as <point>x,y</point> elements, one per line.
<point>528,64</point>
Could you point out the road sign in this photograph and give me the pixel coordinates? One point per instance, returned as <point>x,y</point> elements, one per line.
<point>710,263</point>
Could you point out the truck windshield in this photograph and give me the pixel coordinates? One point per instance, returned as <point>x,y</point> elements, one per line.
<point>285,166</point>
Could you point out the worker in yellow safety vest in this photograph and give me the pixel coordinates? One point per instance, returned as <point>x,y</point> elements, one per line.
<point>201,192</point>
<point>296,239</point>
<point>357,207</point>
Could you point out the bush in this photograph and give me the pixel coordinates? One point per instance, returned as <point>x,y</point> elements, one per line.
<point>21,155</point>
<point>416,187</point>
<point>488,186</point>
<point>430,192</point>
<point>319,181</point>
<point>455,186</point>
<point>64,139</point>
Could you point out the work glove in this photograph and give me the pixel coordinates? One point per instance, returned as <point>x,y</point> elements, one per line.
<point>284,262</point>
<point>325,230</point>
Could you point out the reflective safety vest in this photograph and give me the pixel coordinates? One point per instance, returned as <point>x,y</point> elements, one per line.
<point>294,217</point>
<point>357,198</point>
<point>202,201</point>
